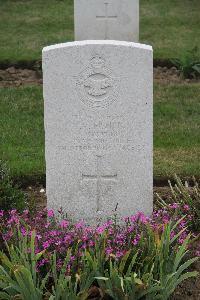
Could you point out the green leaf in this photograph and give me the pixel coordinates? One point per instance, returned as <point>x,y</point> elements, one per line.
<point>5,296</point>
<point>102,278</point>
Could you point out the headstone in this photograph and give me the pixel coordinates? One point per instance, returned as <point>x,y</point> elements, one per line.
<point>98,128</point>
<point>106,20</point>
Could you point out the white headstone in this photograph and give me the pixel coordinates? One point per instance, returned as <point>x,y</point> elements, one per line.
<point>106,20</point>
<point>98,128</point>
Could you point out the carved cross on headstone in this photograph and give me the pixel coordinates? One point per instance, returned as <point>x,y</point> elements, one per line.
<point>106,17</point>
<point>99,177</point>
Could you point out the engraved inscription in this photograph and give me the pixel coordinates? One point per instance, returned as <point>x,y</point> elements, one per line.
<point>99,177</point>
<point>96,85</point>
<point>111,133</point>
<point>106,18</point>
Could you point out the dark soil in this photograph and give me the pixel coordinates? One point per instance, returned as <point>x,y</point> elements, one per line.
<point>36,196</point>
<point>13,76</point>
<point>190,288</point>
<point>171,75</point>
<point>18,77</point>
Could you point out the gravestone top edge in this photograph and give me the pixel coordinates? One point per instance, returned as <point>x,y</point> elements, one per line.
<point>97,42</point>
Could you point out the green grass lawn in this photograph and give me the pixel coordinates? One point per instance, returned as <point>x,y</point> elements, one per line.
<point>176,131</point>
<point>21,131</point>
<point>171,26</point>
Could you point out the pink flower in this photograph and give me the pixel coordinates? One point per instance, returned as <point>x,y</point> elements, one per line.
<point>64,224</point>
<point>53,233</point>
<point>110,231</point>
<point>80,225</point>
<point>13,219</point>
<point>174,205</point>
<point>23,231</point>
<point>72,258</point>
<point>186,207</point>
<point>67,238</point>
<point>133,219</point>
<point>181,240</point>
<point>38,236</point>
<point>37,250</point>
<point>156,214</point>
<point>42,262</point>
<point>50,213</point>
<point>109,251</point>
<point>46,244</point>
<point>84,246</point>
<point>100,229</point>
<point>139,217</point>
<point>108,224</point>
<point>130,229</point>
<point>136,240</point>
<point>60,234</point>
<point>142,218</point>
<point>197,253</point>
<point>91,243</point>
<point>172,234</point>
<point>119,254</point>
<point>7,236</point>
<point>58,243</point>
<point>182,224</point>
<point>47,225</point>
<point>166,219</point>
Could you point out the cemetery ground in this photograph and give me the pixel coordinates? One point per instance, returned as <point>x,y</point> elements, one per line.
<point>176,134</point>
<point>172,27</point>
<point>176,150</point>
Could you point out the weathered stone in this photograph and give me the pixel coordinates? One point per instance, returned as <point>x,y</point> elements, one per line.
<point>98,128</point>
<point>106,20</point>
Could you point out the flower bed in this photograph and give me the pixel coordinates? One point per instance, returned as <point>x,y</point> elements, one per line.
<point>143,256</point>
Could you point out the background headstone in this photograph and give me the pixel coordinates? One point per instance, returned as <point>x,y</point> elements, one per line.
<point>98,128</point>
<point>106,20</point>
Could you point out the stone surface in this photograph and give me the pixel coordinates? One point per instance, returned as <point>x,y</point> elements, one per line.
<point>106,20</point>
<point>98,128</point>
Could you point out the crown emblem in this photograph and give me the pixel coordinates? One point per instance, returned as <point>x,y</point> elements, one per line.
<point>97,62</point>
<point>96,84</point>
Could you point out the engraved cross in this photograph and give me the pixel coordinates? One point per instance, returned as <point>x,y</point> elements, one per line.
<point>99,177</point>
<point>106,17</point>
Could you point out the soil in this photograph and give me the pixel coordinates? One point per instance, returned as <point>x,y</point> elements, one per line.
<point>171,75</point>
<point>36,196</point>
<point>13,76</point>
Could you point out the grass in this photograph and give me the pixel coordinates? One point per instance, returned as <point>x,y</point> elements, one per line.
<point>176,131</point>
<point>171,26</point>
<point>28,26</point>
<point>21,131</point>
